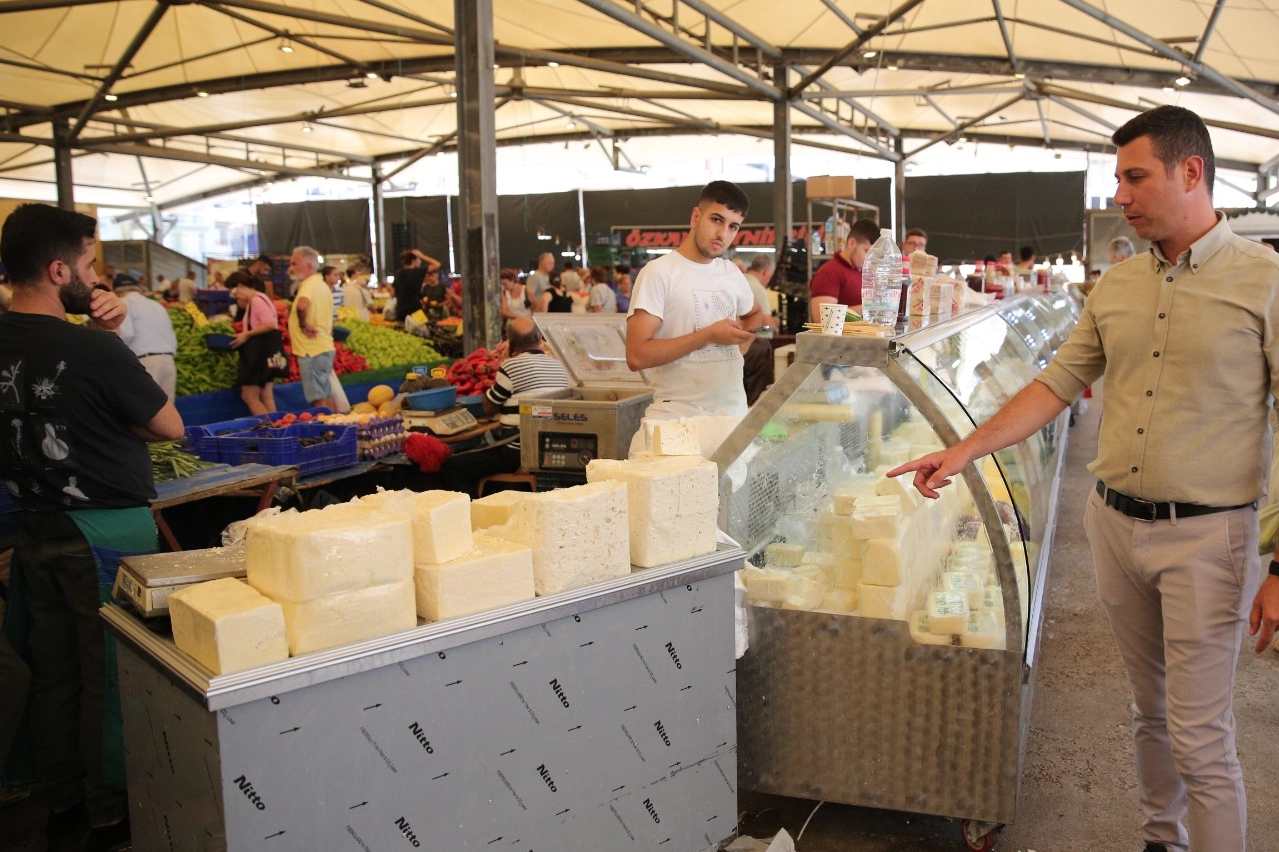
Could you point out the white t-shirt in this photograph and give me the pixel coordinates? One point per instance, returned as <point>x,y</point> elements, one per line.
<point>688,296</point>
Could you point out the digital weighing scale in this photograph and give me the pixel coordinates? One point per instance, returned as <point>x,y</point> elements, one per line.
<point>146,582</point>
<point>561,432</point>
<point>448,421</point>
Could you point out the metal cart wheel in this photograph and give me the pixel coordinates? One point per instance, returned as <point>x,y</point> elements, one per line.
<point>979,836</point>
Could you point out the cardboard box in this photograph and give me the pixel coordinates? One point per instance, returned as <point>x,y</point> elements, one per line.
<point>832,186</point>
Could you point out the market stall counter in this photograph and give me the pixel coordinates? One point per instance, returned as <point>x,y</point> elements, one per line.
<point>596,718</point>
<point>892,638</point>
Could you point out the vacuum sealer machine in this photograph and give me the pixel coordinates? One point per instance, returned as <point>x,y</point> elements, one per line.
<point>562,431</point>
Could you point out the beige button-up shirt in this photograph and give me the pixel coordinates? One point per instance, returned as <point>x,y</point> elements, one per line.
<point>1190,350</point>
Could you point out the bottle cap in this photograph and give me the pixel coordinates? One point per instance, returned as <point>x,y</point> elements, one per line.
<point>886,232</point>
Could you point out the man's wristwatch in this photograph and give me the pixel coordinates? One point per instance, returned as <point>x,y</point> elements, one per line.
<point>1274,567</point>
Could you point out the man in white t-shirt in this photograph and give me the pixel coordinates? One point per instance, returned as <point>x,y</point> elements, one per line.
<point>689,313</point>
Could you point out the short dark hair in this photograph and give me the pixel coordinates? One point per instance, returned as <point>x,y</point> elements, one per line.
<point>726,193</point>
<point>917,232</point>
<point>1026,252</point>
<point>406,257</point>
<point>248,279</point>
<point>509,275</point>
<point>324,271</point>
<point>864,231</point>
<point>35,235</point>
<point>1175,134</point>
<point>264,258</point>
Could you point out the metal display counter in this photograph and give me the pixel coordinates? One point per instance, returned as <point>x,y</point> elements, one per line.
<point>836,705</point>
<point>599,718</point>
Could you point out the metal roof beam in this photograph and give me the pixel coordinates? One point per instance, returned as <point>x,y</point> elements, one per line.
<point>211,159</point>
<point>823,118</point>
<point>121,65</point>
<point>710,12</point>
<point>940,137</point>
<point>395,10</point>
<point>674,42</point>
<point>1167,52</point>
<point>1061,101</point>
<point>828,91</point>
<point>622,68</point>
<point>1088,97</point>
<point>849,22</point>
<point>304,14</point>
<point>40,5</point>
<point>1003,32</point>
<point>1212,25</point>
<point>843,53</point>
<point>276,31</point>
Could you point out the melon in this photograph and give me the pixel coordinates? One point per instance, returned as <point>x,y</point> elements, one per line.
<point>388,409</point>
<point>363,408</point>
<point>379,395</point>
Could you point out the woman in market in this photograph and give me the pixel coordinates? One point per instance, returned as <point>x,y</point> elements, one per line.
<point>622,281</point>
<point>603,300</point>
<point>514,302</point>
<point>356,293</point>
<point>556,299</point>
<point>258,343</point>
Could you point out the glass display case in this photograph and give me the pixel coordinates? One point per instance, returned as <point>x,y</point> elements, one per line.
<point>892,637</point>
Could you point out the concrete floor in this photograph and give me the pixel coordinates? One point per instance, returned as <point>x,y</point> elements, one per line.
<point>1078,787</point>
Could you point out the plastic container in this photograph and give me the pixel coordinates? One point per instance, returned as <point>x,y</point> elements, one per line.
<point>203,440</point>
<point>435,399</point>
<point>340,334</point>
<point>219,342</point>
<point>474,404</point>
<point>882,280</point>
<point>284,447</point>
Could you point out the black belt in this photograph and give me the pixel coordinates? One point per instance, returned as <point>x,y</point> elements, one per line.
<point>1144,510</point>
<point>153,354</point>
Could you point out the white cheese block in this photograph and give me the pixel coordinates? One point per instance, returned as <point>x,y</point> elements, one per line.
<point>765,586</point>
<point>784,555</point>
<point>920,632</point>
<point>878,522</point>
<point>803,593</point>
<point>496,573</point>
<point>845,574</point>
<point>844,541</point>
<point>495,509</point>
<point>839,600</point>
<point>993,602</point>
<point>884,601</point>
<point>970,585</point>
<point>662,488</point>
<point>654,543</point>
<point>947,611</point>
<point>888,561</point>
<point>300,556</point>
<point>846,493</point>
<point>816,573</point>
<point>348,617</point>
<point>818,557</point>
<point>900,486</point>
<point>982,631</point>
<point>227,626</point>
<point>879,501</point>
<point>676,438</point>
<point>579,535</point>
<point>441,522</point>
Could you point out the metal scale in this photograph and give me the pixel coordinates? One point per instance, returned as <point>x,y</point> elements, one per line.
<point>562,431</point>
<point>146,582</point>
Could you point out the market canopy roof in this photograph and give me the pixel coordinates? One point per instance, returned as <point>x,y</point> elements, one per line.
<point>180,100</point>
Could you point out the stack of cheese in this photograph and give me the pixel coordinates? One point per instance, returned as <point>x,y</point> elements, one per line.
<point>227,626</point>
<point>341,575</point>
<point>967,606</point>
<point>672,505</point>
<point>456,573</point>
<point>577,535</point>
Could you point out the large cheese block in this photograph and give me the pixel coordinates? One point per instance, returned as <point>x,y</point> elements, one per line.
<point>900,486</point>
<point>845,574</point>
<point>227,626</point>
<point>784,555</point>
<point>300,556</point>
<point>578,535</point>
<point>845,543</point>
<point>884,601</point>
<point>496,573</point>
<point>495,509</point>
<point>441,522</point>
<point>983,631</point>
<point>672,505</point>
<point>765,586</point>
<point>839,600</point>
<point>676,438</point>
<point>341,619</point>
<point>803,593</point>
<point>888,561</point>
<point>846,494</point>
<point>877,521</point>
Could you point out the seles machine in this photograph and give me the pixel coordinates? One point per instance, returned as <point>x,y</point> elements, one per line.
<point>563,431</point>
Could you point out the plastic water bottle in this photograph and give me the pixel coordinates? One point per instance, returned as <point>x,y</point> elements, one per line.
<point>830,233</point>
<point>881,280</point>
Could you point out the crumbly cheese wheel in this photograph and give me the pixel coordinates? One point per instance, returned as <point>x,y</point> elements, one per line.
<point>227,626</point>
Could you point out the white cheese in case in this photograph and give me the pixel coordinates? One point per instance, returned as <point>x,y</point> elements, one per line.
<point>227,626</point>
<point>982,631</point>
<point>496,573</point>
<point>784,555</point>
<point>920,632</point>
<point>300,556</point>
<point>968,584</point>
<point>888,561</point>
<point>441,522</point>
<point>900,486</point>
<point>947,612</point>
<point>495,509</point>
<point>672,505</point>
<point>839,600</point>
<point>993,602</point>
<point>884,601</point>
<point>765,586</point>
<point>676,438</point>
<point>348,617</point>
<point>803,593</point>
<point>848,492</point>
<point>877,521</point>
<point>578,535</point>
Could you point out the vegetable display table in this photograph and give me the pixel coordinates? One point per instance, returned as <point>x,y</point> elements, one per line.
<point>245,480</point>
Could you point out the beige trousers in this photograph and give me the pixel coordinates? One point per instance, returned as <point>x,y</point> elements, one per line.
<point>165,372</point>
<point>1177,594</point>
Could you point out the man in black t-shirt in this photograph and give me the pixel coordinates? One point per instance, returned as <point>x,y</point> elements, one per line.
<point>76,411</point>
<point>414,267</point>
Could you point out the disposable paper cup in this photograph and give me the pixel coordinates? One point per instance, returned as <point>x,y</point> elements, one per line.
<point>833,318</point>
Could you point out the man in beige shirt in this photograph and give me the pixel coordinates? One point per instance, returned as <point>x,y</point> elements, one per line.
<point>1188,336</point>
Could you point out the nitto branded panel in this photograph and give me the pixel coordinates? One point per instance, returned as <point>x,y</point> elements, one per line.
<point>613,729</point>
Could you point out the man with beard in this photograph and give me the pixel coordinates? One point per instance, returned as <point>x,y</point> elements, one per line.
<point>689,313</point>
<point>76,411</point>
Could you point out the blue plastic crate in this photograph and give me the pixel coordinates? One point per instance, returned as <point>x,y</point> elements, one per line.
<point>265,446</point>
<point>330,455</point>
<point>203,440</point>
<point>283,447</point>
<point>474,404</point>
<point>435,399</point>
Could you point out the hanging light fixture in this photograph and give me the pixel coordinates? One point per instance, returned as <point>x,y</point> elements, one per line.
<point>286,46</point>
<point>306,127</point>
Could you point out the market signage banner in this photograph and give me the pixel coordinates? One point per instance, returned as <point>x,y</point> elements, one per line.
<point>670,236</point>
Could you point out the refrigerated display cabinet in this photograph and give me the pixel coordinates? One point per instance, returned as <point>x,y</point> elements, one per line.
<point>866,681</point>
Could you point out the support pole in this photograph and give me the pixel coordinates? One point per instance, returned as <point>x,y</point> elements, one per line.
<point>477,174</point>
<point>379,227</point>
<point>783,212</point>
<point>899,191</point>
<point>62,163</point>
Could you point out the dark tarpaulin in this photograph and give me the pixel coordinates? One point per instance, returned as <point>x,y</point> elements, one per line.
<point>520,218</point>
<point>338,227</point>
<point>420,223</point>
<point>968,217</point>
